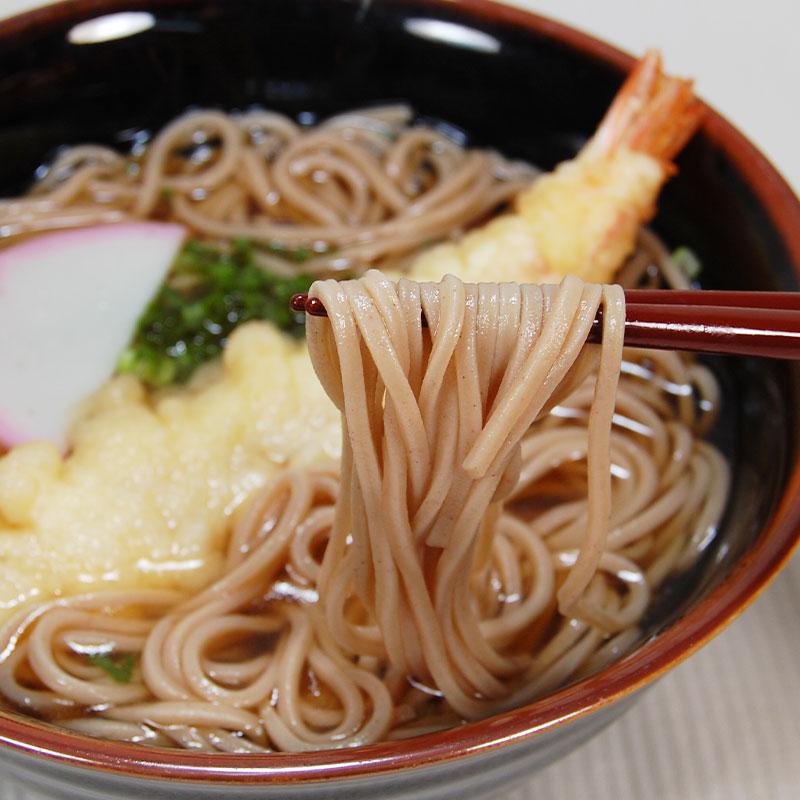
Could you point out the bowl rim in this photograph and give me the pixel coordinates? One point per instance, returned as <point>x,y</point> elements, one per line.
<point>725,603</point>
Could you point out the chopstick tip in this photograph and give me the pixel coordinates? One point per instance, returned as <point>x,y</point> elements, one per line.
<point>298,302</point>
<point>301,302</point>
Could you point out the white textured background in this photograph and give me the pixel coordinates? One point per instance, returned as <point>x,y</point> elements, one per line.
<point>726,724</point>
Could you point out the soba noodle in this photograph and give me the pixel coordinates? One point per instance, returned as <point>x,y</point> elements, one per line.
<point>362,188</point>
<point>473,552</point>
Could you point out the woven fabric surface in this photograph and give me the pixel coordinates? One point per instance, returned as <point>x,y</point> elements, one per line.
<point>725,725</point>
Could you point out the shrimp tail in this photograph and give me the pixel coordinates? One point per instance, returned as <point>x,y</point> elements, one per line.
<point>652,113</point>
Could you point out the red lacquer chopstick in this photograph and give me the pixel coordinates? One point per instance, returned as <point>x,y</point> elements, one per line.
<point>765,324</point>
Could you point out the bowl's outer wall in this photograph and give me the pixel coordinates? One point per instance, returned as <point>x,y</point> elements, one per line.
<point>473,778</point>
<point>535,97</point>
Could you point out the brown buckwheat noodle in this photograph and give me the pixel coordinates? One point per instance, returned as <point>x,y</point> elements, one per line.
<point>362,188</point>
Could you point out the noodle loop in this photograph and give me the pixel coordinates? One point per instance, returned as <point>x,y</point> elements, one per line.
<point>362,189</point>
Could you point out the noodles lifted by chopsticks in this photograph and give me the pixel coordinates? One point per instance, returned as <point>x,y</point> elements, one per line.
<point>432,433</point>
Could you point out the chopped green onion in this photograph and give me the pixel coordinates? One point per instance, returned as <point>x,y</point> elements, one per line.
<point>119,670</point>
<point>687,262</point>
<point>209,292</point>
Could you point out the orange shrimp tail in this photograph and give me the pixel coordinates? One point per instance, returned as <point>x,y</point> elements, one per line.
<point>652,113</point>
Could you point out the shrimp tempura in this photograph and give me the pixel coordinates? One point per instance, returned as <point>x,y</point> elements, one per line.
<point>582,218</point>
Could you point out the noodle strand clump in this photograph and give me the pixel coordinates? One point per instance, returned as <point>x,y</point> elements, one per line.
<point>507,498</point>
<point>432,430</point>
<point>363,188</point>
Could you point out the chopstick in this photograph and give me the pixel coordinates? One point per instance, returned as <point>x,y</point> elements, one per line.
<point>714,297</point>
<point>764,324</point>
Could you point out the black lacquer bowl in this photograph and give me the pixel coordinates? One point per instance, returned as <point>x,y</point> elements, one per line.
<point>510,80</point>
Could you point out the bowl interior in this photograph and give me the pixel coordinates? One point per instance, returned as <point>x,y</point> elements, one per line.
<point>498,84</point>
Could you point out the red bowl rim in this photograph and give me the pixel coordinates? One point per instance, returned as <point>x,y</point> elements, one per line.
<point>726,602</point>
